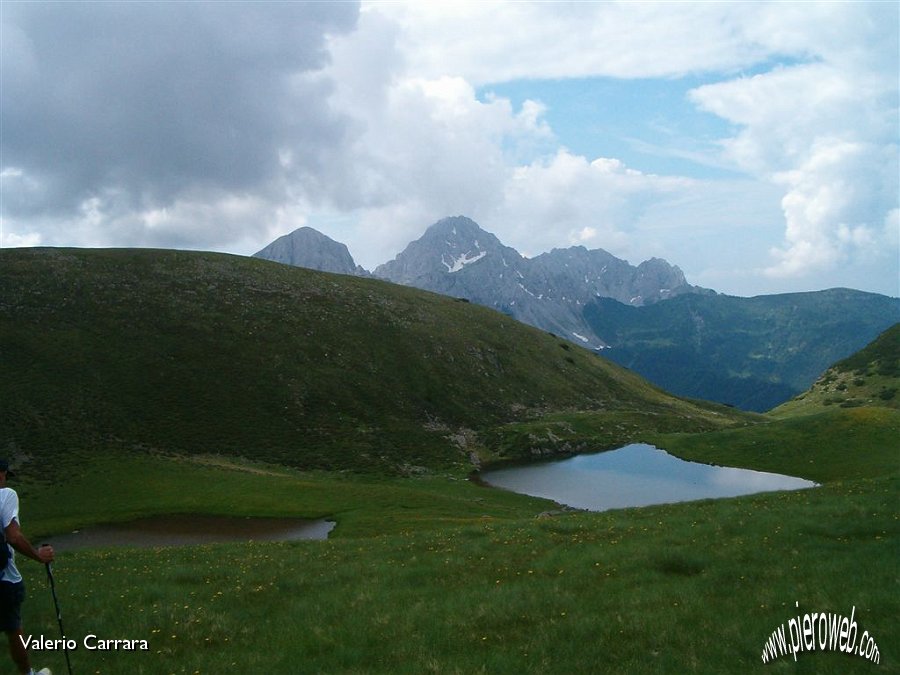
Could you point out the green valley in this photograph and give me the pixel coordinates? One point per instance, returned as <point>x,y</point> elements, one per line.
<point>754,353</point>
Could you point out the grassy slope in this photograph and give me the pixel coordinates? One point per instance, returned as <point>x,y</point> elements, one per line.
<point>830,446</point>
<point>692,587</point>
<point>436,575</point>
<point>871,376</point>
<point>205,353</point>
<point>123,487</point>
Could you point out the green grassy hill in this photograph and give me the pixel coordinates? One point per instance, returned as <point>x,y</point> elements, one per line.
<point>871,376</point>
<point>186,352</point>
<point>846,426</point>
<point>105,352</point>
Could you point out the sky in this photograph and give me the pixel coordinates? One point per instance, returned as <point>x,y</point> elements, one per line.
<point>754,145</point>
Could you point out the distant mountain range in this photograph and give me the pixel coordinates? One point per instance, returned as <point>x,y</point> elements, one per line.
<point>753,353</point>
<point>456,257</point>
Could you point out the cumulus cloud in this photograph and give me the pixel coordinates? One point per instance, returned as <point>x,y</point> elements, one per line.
<point>568,200</point>
<point>825,131</point>
<point>427,147</point>
<point>422,148</point>
<point>125,109</point>
<point>497,42</point>
<point>223,125</point>
<point>813,129</point>
<point>835,203</point>
<point>435,149</point>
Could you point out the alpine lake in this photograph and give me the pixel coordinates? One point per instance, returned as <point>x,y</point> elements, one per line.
<point>634,475</point>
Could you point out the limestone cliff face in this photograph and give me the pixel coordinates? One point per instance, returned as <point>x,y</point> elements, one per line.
<point>309,248</point>
<point>456,257</point>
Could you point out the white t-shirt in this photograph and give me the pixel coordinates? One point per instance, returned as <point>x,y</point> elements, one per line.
<point>9,511</point>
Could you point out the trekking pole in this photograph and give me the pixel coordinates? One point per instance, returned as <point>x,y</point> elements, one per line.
<point>59,617</point>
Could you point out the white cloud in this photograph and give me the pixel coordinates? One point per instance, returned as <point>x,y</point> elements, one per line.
<point>828,137</point>
<point>810,128</point>
<point>427,148</point>
<point>487,42</point>
<point>825,131</point>
<point>372,123</point>
<point>111,111</point>
<point>829,211</point>
<point>15,240</point>
<point>423,148</point>
<point>566,199</point>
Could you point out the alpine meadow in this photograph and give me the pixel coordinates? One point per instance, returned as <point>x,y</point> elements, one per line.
<point>148,382</point>
<point>392,337</point>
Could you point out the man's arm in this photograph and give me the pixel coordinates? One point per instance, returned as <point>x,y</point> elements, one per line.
<point>18,541</point>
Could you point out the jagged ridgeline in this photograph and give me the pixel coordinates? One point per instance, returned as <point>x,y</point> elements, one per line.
<point>192,352</point>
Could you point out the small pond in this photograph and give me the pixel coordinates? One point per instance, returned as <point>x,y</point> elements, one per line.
<point>636,475</point>
<point>183,530</point>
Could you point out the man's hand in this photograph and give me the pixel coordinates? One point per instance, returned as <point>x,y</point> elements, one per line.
<point>19,542</point>
<point>45,554</point>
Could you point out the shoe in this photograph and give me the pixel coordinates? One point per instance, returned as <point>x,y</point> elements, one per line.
<point>43,671</point>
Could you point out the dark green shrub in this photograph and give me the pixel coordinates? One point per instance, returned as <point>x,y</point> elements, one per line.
<point>851,403</point>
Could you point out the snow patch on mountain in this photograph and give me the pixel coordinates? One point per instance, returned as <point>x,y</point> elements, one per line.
<point>459,262</point>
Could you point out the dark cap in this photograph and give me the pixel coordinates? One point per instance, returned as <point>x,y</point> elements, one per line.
<point>4,466</point>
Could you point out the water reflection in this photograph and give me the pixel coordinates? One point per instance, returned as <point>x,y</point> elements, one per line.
<point>635,475</point>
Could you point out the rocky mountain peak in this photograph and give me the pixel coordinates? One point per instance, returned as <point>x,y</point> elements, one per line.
<point>306,247</point>
<point>447,247</point>
<point>657,280</point>
<point>456,257</point>
<point>460,241</point>
<point>457,227</point>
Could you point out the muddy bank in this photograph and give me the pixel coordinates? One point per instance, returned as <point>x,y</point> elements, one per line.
<point>188,529</point>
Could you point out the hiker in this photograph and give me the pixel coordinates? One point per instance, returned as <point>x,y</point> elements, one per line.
<point>12,588</point>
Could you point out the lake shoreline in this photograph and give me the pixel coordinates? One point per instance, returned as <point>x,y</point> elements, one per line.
<point>633,476</point>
